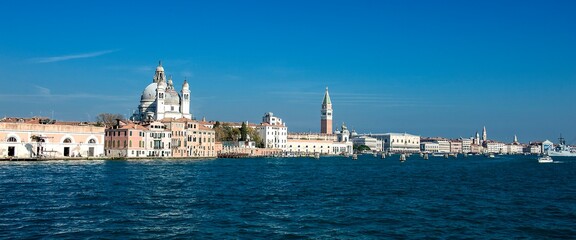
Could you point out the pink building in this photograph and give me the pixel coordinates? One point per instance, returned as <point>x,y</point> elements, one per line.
<point>45,138</point>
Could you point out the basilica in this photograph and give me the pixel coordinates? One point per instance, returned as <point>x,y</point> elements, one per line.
<point>160,100</point>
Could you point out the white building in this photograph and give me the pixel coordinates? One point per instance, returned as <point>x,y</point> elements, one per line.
<point>466,144</point>
<point>273,132</point>
<point>443,143</point>
<point>44,138</point>
<point>495,147</point>
<point>373,143</point>
<point>325,144</point>
<point>515,148</point>
<point>399,142</point>
<point>160,100</point>
<point>429,147</point>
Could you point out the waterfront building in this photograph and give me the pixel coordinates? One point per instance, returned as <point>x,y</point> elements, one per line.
<point>456,146</point>
<point>443,143</point>
<point>131,140</point>
<point>44,138</point>
<point>429,147</point>
<point>191,138</point>
<point>160,100</point>
<point>178,138</point>
<point>399,142</point>
<point>494,147</point>
<point>273,132</point>
<point>547,146</point>
<point>533,148</point>
<point>373,143</point>
<point>324,144</point>
<point>326,114</point>
<point>475,149</point>
<point>515,148</point>
<point>466,144</point>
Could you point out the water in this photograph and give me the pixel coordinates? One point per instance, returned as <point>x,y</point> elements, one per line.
<point>371,198</point>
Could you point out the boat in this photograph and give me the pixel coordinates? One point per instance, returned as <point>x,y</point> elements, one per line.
<point>562,150</point>
<point>545,159</point>
<point>402,157</point>
<point>491,155</point>
<point>354,156</point>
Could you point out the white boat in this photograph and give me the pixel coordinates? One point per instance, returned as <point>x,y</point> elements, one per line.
<point>491,155</point>
<point>562,150</point>
<point>545,159</point>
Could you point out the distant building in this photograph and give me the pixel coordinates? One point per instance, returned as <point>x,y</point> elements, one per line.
<point>399,142</point>
<point>310,143</point>
<point>429,147</point>
<point>131,140</point>
<point>273,132</point>
<point>466,144</point>
<point>533,148</point>
<point>456,146</point>
<point>180,138</point>
<point>191,138</point>
<point>494,147</point>
<point>45,138</point>
<point>160,100</point>
<point>373,143</point>
<point>326,114</point>
<point>443,143</point>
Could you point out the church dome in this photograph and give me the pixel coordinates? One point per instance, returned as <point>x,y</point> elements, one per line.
<point>149,93</point>
<point>172,98</point>
<point>160,68</point>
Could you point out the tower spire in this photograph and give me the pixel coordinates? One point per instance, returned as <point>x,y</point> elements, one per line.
<point>326,114</point>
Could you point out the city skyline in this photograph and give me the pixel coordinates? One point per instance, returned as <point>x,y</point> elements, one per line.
<point>430,69</point>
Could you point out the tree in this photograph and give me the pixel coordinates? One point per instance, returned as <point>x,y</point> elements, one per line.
<point>108,119</point>
<point>254,136</point>
<point>243,132</point>
<point>361,148</point>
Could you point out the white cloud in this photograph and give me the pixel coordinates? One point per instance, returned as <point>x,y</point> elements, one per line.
<point>69,57</point>
<point>42,90</point>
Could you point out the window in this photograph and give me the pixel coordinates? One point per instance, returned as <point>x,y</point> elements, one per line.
<point>12,139</point>
<point>92,141</point>
<point>67,140</point>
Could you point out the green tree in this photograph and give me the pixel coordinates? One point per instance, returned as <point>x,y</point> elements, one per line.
<point>254,136</point>
<point>361,148</point>
<point>243,132</point>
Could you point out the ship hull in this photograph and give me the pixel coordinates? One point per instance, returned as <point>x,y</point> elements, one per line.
<point>561,154</point>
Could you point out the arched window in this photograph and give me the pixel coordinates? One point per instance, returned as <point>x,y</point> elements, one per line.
<point>92,141</point>
<point>12,139</point>
<point>67,140</point>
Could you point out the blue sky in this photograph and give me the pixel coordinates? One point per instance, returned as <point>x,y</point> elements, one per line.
<point>433,68</point>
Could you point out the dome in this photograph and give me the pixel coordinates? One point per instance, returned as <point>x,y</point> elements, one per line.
<point>159,68</point>
<point>172,98</point>
<point>149,93</point>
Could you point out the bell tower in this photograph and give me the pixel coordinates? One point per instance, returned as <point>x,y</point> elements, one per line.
<point>185,103</point>
<point>326,114</point>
